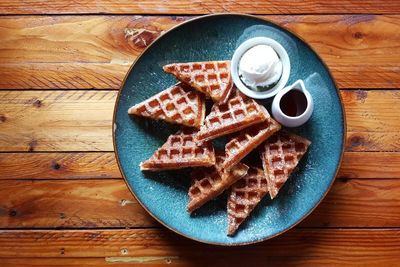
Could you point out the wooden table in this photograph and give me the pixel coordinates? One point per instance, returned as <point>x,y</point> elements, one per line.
<point>62,198</point>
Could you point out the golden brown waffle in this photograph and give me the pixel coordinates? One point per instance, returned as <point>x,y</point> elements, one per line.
<point>244,196</point>
<point>208,183</point>
<point>213,78</point>
<point>238,113</point>
<point>180,151</point>
<point>281,154</point>
<point>247,140</point>
<point>177,104</point>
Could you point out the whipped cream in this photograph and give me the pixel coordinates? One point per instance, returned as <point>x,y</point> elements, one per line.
<point>260,66</point>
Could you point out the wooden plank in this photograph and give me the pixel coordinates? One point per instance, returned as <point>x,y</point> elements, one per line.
<point>92,165</point>
<point>162,243</point>
<point>81,39</point>
<point>108,203</point>
<point>365,110</point>
<point>370,165</point>
<point>82,52</point>
<point>197,7</point>
<point>56,120</point>
<point>358,203</point>
<point>191,261</point>
<point>371,121</point>
<point>82,120</point>
<point>95,165</point>
<point>68,75</point>
<point>372,141</point>
<point>70,204</point>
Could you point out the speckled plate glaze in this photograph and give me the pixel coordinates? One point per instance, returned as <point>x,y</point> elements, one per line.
<point>164,194</point>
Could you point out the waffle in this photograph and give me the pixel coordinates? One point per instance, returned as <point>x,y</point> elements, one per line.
<point>213,78</point>
<point>247,140</point>
<point>180,151</point>
<point>238,113</point>
<point>208,183</point>
<point>244,196</point>
<point>177,104</point>
<point>281,154</point>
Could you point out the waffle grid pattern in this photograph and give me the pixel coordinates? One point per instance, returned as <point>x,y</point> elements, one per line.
<point>211,78</point>
<point>180,151</point>
<point>281,155</point>
<point>208,183</point>
<point>244,196</point>
<point>177,104</point>
<point>246,141</point>
<point>238,113</point>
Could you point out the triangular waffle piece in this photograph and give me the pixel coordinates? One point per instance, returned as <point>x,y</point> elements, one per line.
<point>213,78</point>
<point>208,183</point>
<point>247,140</point>
<point>238,113</point>
<point>244,196</point>
<point>177,104</point>
<point>281,154</point>
<point>180,151</point>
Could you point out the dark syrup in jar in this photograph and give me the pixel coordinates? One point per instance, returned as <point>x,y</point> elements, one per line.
<point>293,103</point>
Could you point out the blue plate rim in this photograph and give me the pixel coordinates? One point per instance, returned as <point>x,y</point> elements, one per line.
<point>123,85</point>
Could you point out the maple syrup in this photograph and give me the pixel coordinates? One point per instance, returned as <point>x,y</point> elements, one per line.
<point>293,103</point>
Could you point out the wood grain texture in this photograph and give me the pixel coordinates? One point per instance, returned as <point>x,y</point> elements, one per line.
<point>372,141</point>
<point>108,203</point>
<point>70,204</point>
<point>92,165</point>
<point>95,165</point>
<point>371,121</point>
<point>56,120</point>
<point>197,7</point>
<point>192,261</point>
<point>82,120</point>
<point>370,165</point>
<point>358,203</point>
<point>84,52</point>
<point>372,111</point>
<point>68,75</point>
<point>344,243</point>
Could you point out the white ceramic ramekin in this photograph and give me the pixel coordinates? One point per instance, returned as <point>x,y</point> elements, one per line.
<point>298,120</point>
<point>283,56</point>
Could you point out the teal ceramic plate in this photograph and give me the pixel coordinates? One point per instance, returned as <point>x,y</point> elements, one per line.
<point>164,195</point>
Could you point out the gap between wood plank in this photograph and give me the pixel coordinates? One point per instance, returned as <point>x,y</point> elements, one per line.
<point>194,15</point>
<point>202,7</point>
<point>161,227</point>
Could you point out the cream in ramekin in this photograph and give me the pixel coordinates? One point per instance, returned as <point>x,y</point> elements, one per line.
<point>260,67</point>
